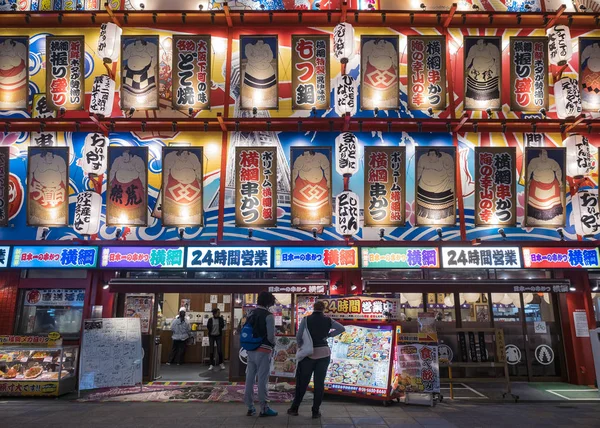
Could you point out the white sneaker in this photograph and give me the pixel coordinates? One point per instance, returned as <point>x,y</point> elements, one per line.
<point>222,366</point>
<point>210,368</point>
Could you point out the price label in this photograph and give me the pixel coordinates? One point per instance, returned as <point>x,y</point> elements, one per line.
<point>47,359</point>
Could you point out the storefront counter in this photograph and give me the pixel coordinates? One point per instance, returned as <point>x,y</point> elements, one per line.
<point>196,353</point>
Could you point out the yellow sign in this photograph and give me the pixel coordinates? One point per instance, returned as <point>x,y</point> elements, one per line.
<point>31,389</point>
<point>54,335</point>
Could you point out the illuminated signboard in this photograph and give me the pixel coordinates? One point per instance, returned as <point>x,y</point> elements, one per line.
<point>469,257</point>
<point>556,258</point>
<point>54,257</point>
<point>316,257</point>
<point>4,256</point>
<point>229,257</point>
<point>400,258</point>
<point>142,257</point>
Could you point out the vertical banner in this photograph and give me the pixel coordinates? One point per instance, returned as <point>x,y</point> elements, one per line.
<point>379,81</point>
<point>65,85</point>
<point>483,73</point>
<point>14,72</point>
<point>256,186</point>
<point>48,186</point>
<point>589,73</point>
<point>182,186</point>
<point>385,186</point>
<point>310,72</point>
<point>4,180</point>
<point>127,188</point>
<point>311,186</point>
<point>40,110</point>
<point>545,203</point>
<point>426,72</point>
<point>139,72</point>
<point>528,73</point>
<point>191,72</point>
<point>259,72</point>
<point>435,182</point>
<point>495,186</point>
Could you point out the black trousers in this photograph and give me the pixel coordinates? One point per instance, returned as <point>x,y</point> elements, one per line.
<point>305,370</point>
<point>177,352</point>
<point>218,340</point>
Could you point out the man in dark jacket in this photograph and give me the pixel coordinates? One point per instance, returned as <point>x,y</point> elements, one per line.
<point>215,326</point>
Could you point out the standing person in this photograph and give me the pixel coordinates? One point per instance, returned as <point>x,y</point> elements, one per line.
<point>181,332</point>
<point>259,360</point>
<point>320,328</point>
<point>215,326</point>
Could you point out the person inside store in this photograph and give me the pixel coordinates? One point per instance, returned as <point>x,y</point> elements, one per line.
<point>259,360</point>
<point>181,333</point>
<point>215,327</point>
<point>320,328</point>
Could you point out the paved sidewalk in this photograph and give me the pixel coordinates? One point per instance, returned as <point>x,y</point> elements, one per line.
<point>337,413</point>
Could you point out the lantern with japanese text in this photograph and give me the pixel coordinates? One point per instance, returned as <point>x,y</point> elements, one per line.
<point>347,213</point>
<point>103,95</point>
<point>87,213</point>
<point>559,44</point>
<point>579,158</point>
<point>586,215</point>
<point>343,42</point>
<point>109,42</point>
<point>567,98</point>
<point>95,152</point>
<point>346,154</point>
<point>345,96</point>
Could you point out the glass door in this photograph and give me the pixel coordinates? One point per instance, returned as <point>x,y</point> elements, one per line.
<point>507,315</point>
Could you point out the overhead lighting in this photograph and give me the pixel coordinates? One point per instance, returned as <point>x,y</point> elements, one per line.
<point>572,289</point>
<point>105,287</point>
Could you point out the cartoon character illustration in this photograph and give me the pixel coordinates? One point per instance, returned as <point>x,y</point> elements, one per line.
<point>13,74</point>
<point>483,66</point>
<point>47,188</point>
<point>139,74</point>
<point>380,75</point>
<point>259,76</point>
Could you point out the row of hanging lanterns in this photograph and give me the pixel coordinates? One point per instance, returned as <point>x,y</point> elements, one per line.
<point>415,299</point>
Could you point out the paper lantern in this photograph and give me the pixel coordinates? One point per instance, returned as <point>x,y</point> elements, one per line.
<point>449,300</point>
<point>87,213</point>
<point>345,96</point>
<point>560,48</point>
<point>527,298</point>
<point>412,296</point>
<point>414,303</point>
<point>343,42</point>
<point>506,300</point>
<point>346,153</point>
<point>95,151</point>
<point>515,298</point>
<point>586,214</point>
<point>471,297</point>
<point>546,297</point>
<point>347,213</point>
<point>497,297</point>
<point>109,42</point>
<point>103,96</point>
<point>579,158</point>
<point>567,98</point>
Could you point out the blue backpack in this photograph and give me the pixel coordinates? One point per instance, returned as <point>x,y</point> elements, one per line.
<point>248,341</point>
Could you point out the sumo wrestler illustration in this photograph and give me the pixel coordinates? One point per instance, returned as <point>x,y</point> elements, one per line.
<point>14,65</point>
<point>379,70</point>
<point>259,72</point>
<point>139,73</point>
<point>47,187</point>
<point>126,199</point>
<point>182,187</point>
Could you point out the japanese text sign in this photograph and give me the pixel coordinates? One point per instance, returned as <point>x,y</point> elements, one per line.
<point>316,257</point>
<point>191,72</point>
<point>4,256</point>
<point>361,308</point>
<point>54,257</point>
<point>557,258</point>
<point>55,297</point>
<point>229,257</point>
<point>528,73</point>
<point>310,72</point>
<point>426,72</point>
<point>471,257</point>
<point>142,257</point>
<point>65,73</point>
<point>399,258</point>
<point>347,219</point>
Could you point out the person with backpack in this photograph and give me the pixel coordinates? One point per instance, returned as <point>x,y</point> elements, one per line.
<point>215,326</point>
<point>320,327</point>
<point>258,339</point>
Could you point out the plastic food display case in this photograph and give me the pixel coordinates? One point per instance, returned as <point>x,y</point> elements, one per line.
<point>38,371</point>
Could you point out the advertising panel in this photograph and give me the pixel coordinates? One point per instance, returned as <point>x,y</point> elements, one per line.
<point>471,257</point>
<point>228,258</point>
<point>65,74</point>
<point>191,72</point>
<point>49,257</point>
<point>399,258</point>
<point>142,257</point>
<point>426,64</point>
<point>310,72</point>
<point>316,257</point>
<point>557,258</point>
<point>259,72</point>
<point>483,72</point>
<point>379,79</point>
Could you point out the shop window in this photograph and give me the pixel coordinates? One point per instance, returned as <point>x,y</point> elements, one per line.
<point>44,311</point>
<point>538,307</point>
<point>283,314</point>
<point>506,307</point>
<point>453,274</point>
<point>442,305</point>
<point>474,309</point>
<point>392,274</point>
<point>523,274</point>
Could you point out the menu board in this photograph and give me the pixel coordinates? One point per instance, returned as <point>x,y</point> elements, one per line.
<point>111,353</point>
<point>416,364</point>
<point>140,306</point>
<point>360,361</point>
<point>283,363</point>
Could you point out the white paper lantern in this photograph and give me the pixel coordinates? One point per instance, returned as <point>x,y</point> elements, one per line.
<point>347,216</point>
<point>546,297</point>
<point>109,42</point>
<point>527,298</point>
<point>471,297</point>
<point>343,42</point>
<point>586,214</point>
<point>412,296</point>
<point>497,297</point>
<point>560,48</point>
<point>506,300</point>
<point>449,300</point>
<point>103,96</point>
<point>567,98</point>
<point>515,298</point>
<point>414,303</point>
<point>87,213</point>
<point>95,152</point>
<point>579,157</point>
<point>346,153</point>
<point>345,95</point>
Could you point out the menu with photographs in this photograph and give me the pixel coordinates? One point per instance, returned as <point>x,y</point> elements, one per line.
<point>360,361</point>
<point>416,363</point>
<point>283,363</point>
<point>140,306</point>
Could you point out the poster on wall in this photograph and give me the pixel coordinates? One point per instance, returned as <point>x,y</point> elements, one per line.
<point>435,186</point>
<point>256,186</point>
<point>545,202</point>
<point>14,72</point>
<point>127,188</point>
<point>65,75</point>
<point>416,363</point>
<point>528,73</point>
<point>4,180</point>
<point>483,72</point>
<point>426,59</point>
<point>140,306</point>
<point>182,181</point>
<point>311,187</point>
<point>48,186</point>
<point>589,73</point>
<point>385,186</point>
<point>191,72</point>
<point>495,186</point>
<point>259,72</point>
<point>310,72</point>
<point>139,72</point>
<point>379,81</point>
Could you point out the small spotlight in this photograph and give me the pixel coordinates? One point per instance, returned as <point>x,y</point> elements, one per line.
<point>142,6</point>
<point>439,232</point>
<point>314,111</point>
<point>502,233</point>
<point>200,6</point>
<point>430,111</point>
<point>561,234</point>
<point>596,288</point>
<point>582,8</point>
<point>181,231</point>
<point>105,287</point>
<point>118,232</point>
<point>62,111</point>
<point>475,7</point>
<point>314,232</point>
<point>190,111</point>
<point>543,112</point>
<point>376,111</point>
<point>250,232</point>
<point>13,7</point>
<point>131,111</point>
<point>45,232</point>
<point>489,112</point>
<point>423,6</point>
<point>381,234</point>
<point>254,111</point>
<point>572,289</point>
<point>352,286</point>
<point>78,7</point>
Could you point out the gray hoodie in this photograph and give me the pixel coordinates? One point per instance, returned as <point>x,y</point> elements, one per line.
<point>181,329</point>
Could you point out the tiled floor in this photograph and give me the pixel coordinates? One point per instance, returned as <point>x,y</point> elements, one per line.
<point>339,413</point>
